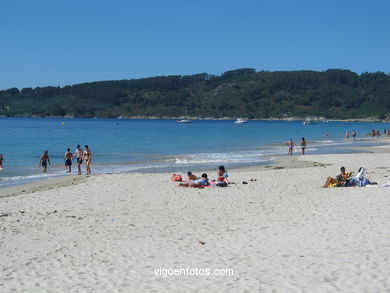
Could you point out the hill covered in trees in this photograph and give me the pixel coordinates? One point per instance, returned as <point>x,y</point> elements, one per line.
<point>334,93</point>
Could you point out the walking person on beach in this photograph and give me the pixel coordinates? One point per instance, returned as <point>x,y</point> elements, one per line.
<point>347,135</point>
<point>303,145</point>
<point>68,160</point>
<point>87,158</point>
<point>43,161</point>
<point>78,154</point>
<point>1,161</point>
<point>290,145</point>
<point>354,135</point>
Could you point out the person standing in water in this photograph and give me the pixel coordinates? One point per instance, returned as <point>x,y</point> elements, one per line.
<point>43,161</point>
<point>1,161</point>
<point>290,145</point>
<point>87,158</point>
<point>78,154</point>
<point>303,145</point>
<point>68,160</point>
<point>347,135</point>
<point>354,135</point>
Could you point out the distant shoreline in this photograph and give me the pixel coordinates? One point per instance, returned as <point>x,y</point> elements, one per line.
<point>320,119</point>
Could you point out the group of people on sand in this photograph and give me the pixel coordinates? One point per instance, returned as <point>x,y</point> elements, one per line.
<point>80,156</point>
<point>290,145</point>
<point>345,179</point>
<point>202,181</point>
<point>347,134</point>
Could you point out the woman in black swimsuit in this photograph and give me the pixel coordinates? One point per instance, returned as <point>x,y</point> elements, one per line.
<point>87,159</point>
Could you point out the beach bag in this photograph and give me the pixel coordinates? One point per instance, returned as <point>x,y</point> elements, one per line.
<point>176,177</point>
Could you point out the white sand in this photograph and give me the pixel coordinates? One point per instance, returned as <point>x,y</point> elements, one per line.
<point>282,233</point>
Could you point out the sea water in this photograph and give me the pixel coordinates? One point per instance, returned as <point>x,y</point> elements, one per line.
<point>127,145</point>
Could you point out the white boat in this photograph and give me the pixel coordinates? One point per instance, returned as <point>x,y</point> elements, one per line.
<point>309,121</point>
<point>184,121</point>
<point>240,120</point>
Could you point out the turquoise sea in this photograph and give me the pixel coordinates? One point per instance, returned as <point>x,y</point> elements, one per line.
<point>124,145</point>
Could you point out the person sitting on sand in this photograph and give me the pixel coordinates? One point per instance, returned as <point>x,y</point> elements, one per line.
<point>341,180</point>
<point>222,179</point>
<point>43,161</point>
<point>191,177</point>
<point>199,183</point>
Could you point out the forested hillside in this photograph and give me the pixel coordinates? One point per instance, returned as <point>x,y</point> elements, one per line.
<point>333,93</point>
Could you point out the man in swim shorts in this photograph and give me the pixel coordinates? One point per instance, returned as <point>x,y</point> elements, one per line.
<point>44,160</point>
<point>68,161</point>
<point>78,154</point>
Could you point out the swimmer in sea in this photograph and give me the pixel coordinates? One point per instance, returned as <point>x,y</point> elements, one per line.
<point>87,159</point>
<point>78,154</point>
<point>43,161</point>
<point>1,161</point>
<point>68,161</point>
<point>290,145</point>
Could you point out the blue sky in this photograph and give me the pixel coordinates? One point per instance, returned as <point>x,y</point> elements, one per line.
<point>65,42</point>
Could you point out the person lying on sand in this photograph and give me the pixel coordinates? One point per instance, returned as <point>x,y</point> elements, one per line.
<point>360,179</point>
<point>191,177</point>
<point>197,183</point>
<point>341,180</point>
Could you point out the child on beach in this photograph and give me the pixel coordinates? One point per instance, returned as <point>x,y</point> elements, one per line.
<point>68,160</point>
<point>290,145</point>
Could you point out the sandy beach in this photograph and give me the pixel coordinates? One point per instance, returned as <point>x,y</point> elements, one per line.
<point>129,232</point>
